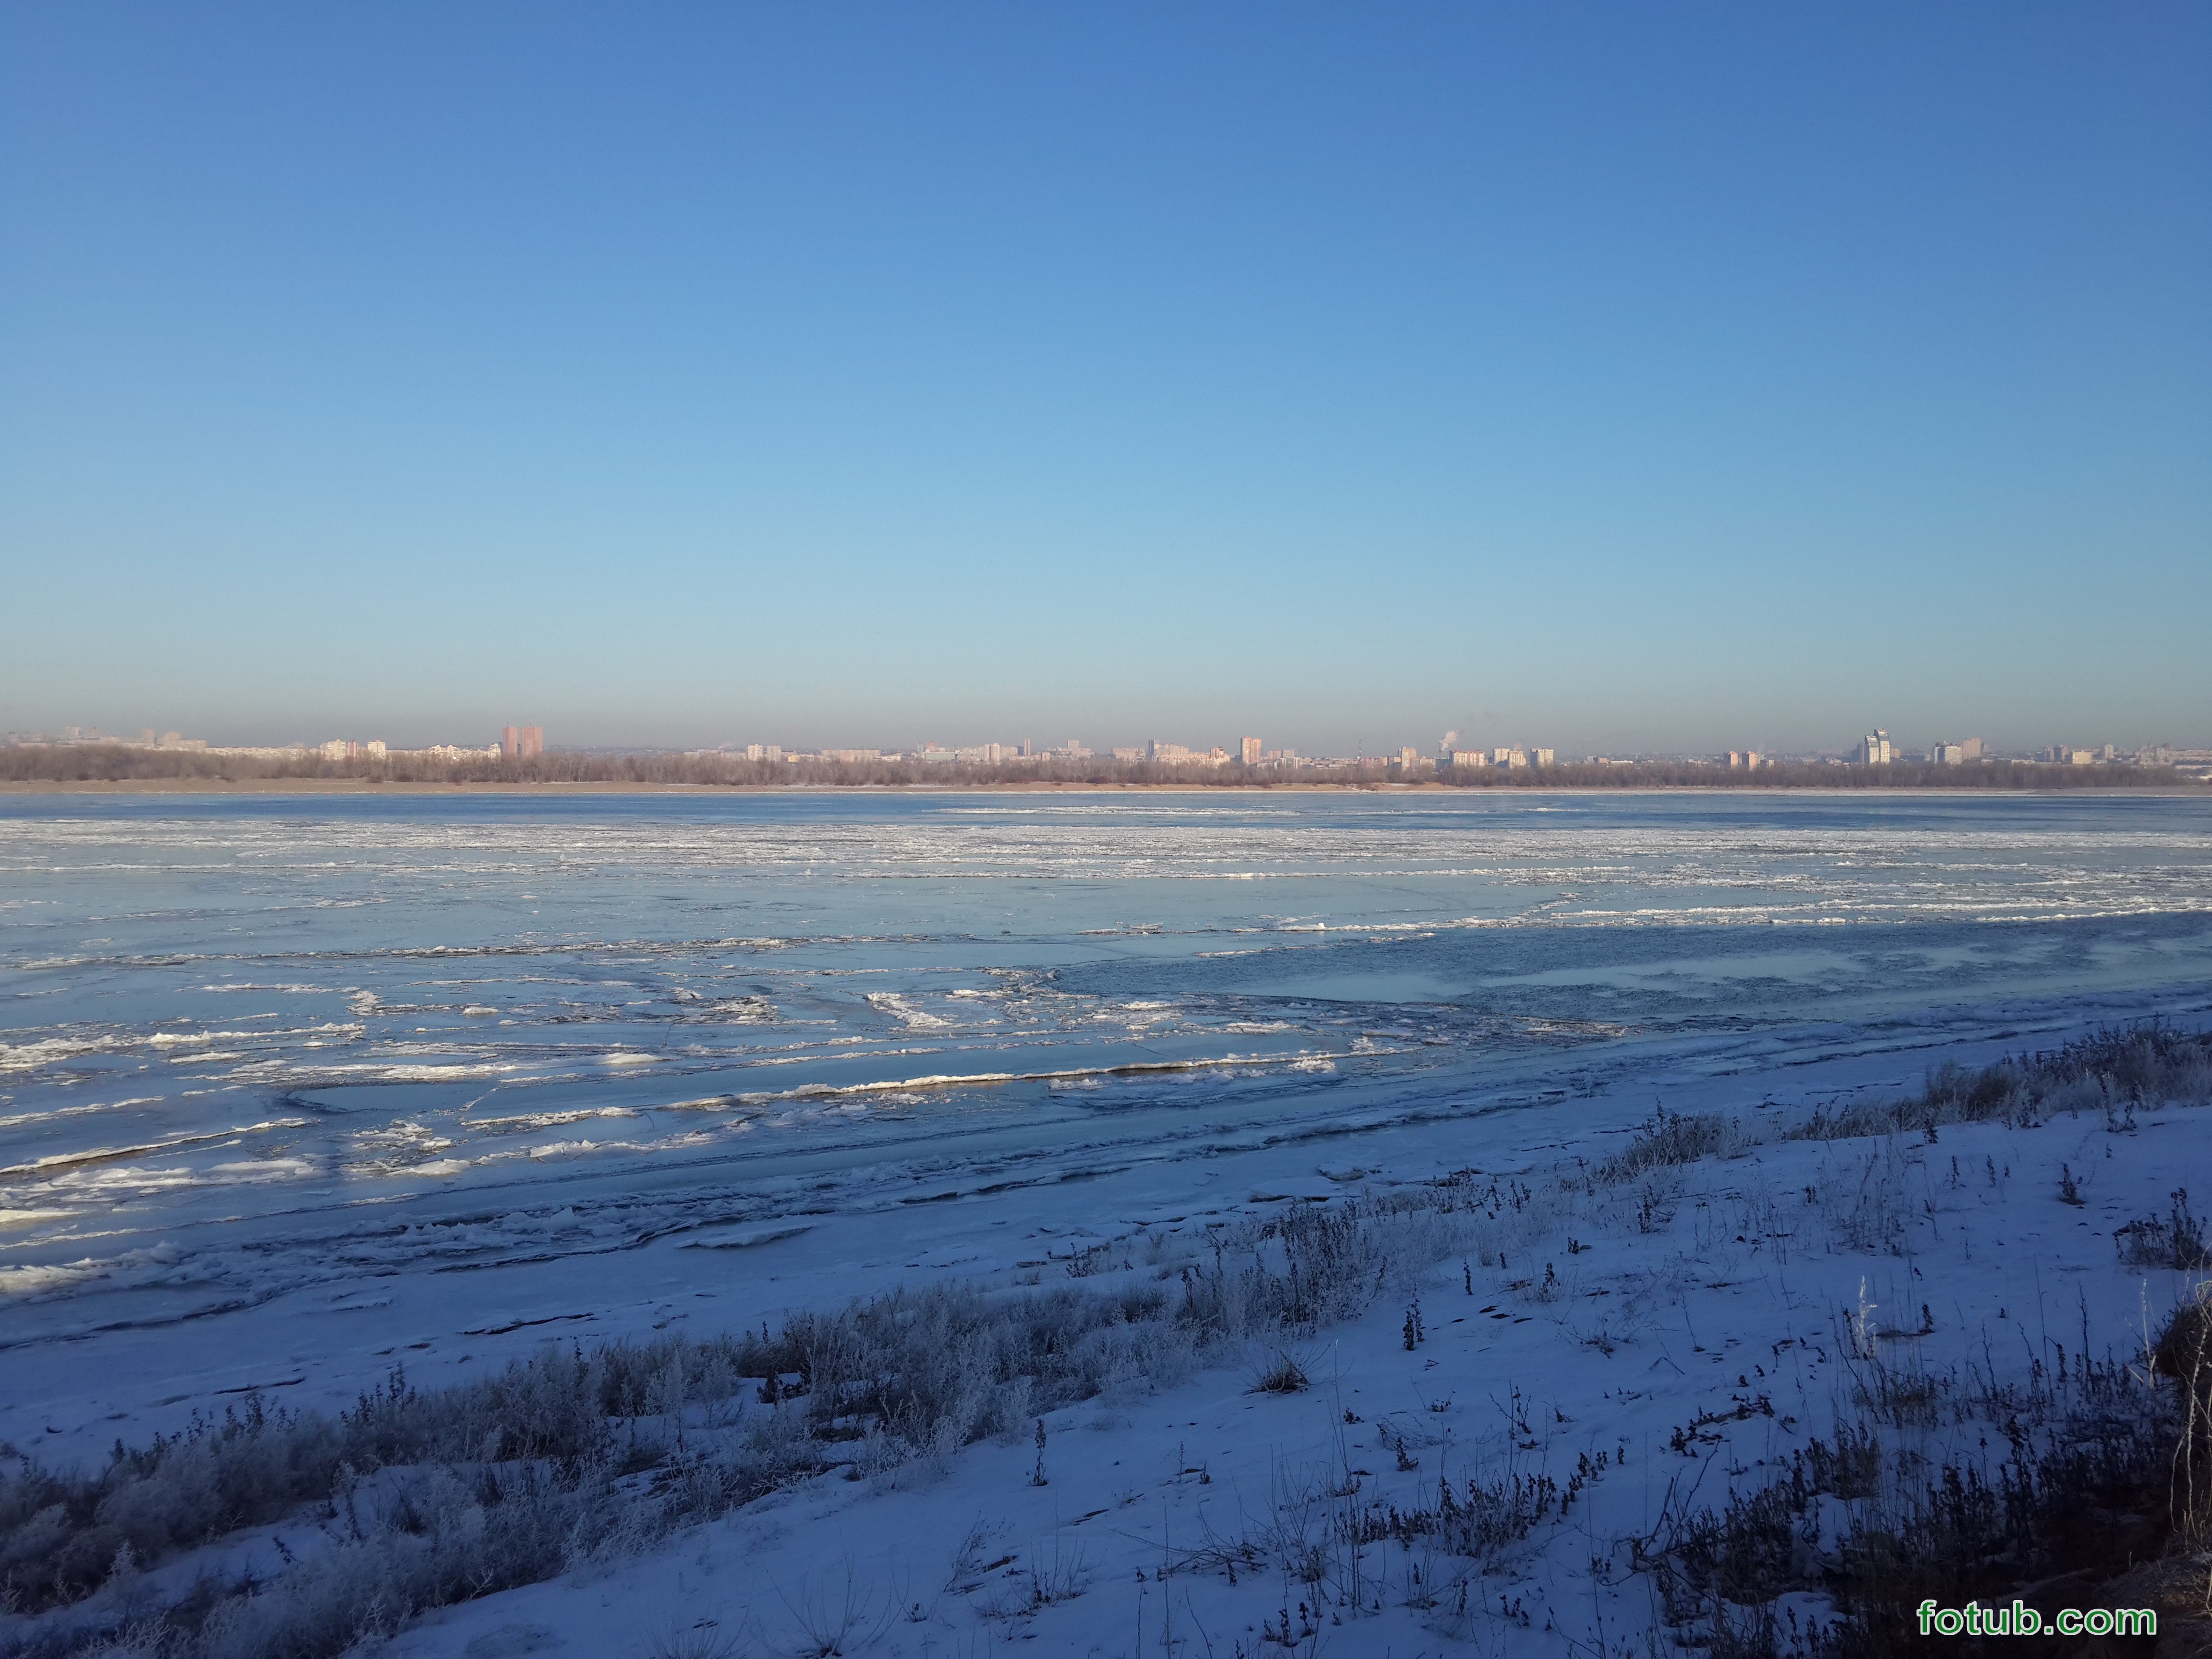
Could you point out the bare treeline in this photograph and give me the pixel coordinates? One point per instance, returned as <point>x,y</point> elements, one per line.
<point>124,762</point>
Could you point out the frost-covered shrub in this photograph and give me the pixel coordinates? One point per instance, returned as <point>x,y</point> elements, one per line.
<point>61,1534</point>
<point>446,1540</point>
<point>1670,1138</point>
<point>2175,1239</point>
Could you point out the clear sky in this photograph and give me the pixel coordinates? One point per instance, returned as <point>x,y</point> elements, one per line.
<point>1613,377</point>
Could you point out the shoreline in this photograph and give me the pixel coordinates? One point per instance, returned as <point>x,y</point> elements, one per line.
<point>310,786</point>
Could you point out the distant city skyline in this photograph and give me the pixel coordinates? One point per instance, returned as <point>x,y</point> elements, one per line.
<point>1874,747</point>
<point>1614,379</point>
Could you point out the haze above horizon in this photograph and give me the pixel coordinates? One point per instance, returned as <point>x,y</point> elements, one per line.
<point>1615,378</point>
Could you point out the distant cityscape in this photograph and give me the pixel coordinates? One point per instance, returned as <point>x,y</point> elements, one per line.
<point>516,743</point>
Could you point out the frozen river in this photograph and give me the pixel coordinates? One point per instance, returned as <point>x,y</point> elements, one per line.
<point>251,1045</point>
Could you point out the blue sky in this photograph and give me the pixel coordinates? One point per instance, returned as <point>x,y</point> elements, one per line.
<point>1628,377</point>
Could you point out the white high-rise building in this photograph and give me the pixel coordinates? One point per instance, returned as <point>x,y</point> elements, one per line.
<point>1873,748</point>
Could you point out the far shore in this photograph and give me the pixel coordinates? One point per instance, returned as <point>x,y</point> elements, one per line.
<point>363,786</point>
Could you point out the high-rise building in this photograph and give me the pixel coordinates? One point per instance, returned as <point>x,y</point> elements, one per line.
<point>1251,751</point>
<point>1468,758</point>
<point>1542,757</point>
<point>510,742</point>
<point>1873,748</point>
<point>533,741</point>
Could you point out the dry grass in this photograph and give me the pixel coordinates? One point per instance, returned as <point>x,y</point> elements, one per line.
<point>2116,1071</point>
<point>429,1497</point>
<point>2092,1471</point>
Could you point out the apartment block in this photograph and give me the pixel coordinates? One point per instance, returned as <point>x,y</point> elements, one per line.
<point>1176,754</point>
<point>981,754</point>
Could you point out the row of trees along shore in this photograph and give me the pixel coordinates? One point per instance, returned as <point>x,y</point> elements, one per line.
<point>126,763</point>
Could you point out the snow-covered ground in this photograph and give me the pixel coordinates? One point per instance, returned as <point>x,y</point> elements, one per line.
<point>1639,1344</point>
<point>1662,1364</point>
